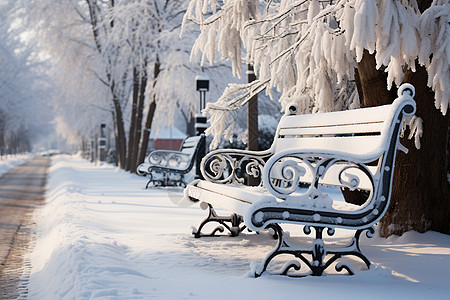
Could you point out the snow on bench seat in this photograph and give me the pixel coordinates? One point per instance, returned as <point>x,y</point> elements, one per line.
<point>239,199</point>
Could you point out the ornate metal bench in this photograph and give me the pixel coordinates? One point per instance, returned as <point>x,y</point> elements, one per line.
<point>167,168</point>
<point>310,155</point>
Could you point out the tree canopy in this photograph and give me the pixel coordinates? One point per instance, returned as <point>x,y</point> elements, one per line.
<point>103,54</point>
<point>308,49</point>
<point>24,110</point>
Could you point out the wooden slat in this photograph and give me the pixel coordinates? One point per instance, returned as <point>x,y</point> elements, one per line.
<point>188,150</point>
<point>371,128</point>
<point>190,144</point>
<point>361,133</point>
<point>357,116</point>
<point>361,147</point>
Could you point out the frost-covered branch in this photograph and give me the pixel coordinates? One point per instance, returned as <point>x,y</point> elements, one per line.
<point>307,49</point>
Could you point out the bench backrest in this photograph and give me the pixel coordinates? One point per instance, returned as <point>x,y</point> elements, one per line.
<point>362,134</point>
<point>334,149</point>
<point>190,145</point>
<point>180,161</point>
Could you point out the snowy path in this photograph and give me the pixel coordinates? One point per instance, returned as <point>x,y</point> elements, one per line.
<point>102,236</point>
<point>21,191</point>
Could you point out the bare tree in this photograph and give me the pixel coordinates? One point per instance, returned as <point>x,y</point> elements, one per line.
<point>22,86</point>
<point>103,56</point>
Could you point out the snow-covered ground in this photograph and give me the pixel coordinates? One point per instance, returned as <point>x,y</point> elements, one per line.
<point>102,235</point>
<point>8,162</point>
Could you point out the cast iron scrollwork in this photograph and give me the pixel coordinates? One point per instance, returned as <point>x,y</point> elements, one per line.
<point>171,159</point>
<point>231,223</point>
<point>233,167</point>
<point>161,178</point>
<point>224,166</point>
<point>318,257</point>
<point>353,181</point>
<point>166,168</point>
<point>290,172</point>
<point>306,199</point>
<point>285,177</point>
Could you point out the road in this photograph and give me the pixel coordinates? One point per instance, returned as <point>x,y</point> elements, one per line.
<point>22,191</point>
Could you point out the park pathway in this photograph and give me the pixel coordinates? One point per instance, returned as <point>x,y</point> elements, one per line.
<point>22,190</point>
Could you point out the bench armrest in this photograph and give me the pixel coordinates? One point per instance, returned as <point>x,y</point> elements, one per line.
<point>169,159</point>
<point>234,166</point>
<point>286,171</point>
<point>142,169</point>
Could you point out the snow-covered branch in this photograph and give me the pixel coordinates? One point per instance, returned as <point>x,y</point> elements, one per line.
<point>307,49</point>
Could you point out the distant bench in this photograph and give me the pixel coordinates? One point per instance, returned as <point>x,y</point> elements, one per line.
<point>353,150</point>
<point>167,168</point>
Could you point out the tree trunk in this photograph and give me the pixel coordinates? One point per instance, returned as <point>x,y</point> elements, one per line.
<point>372,83</point>
<point>133,125</point>
<point>151,113</point>
<point>116,138</point>
<point>121,147</point>
<point>140,110</point>
<point>420,191</point>
<point>2,133</point>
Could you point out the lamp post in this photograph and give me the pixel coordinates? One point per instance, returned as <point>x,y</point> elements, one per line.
<point>202,86</point>
<point>252,122</point>
<point>102,143</point>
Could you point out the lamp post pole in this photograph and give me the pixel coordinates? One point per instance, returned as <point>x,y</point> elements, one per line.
<point>102,143</point>
<point>252,122</point>
<point>202,86</point>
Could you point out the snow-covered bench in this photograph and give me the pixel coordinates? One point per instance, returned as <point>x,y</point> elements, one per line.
<point>167,168</point>
<point>310,156</point>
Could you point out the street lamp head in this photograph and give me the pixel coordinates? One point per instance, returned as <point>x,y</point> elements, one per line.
<point>202,83</point>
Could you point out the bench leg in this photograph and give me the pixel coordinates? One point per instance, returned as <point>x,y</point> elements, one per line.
<point>165,180</point>
<point>177,179</point>
<point>152,182</point>
<point>322,256</point>
<point>181,182</point>
<point>155,182</point>
<point>150,179</point>
<point>234,220</point>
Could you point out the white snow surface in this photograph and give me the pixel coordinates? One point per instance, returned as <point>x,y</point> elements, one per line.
<point>8,162</point>
<point>101,235</point>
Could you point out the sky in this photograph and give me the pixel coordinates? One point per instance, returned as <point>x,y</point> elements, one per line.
<point>101,235</point>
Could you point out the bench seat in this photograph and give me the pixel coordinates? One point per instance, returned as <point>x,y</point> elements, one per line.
<point>229,197</point>
<point>237,199</point>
